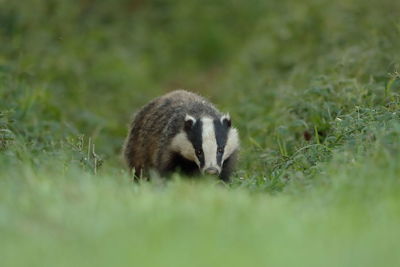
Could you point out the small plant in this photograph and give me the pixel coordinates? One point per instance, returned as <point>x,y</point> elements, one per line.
<point>6,135</point>
<point>84,153</point>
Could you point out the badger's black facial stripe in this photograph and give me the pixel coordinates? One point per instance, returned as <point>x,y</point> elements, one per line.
<point>221,135</point>
<point>194,134</point>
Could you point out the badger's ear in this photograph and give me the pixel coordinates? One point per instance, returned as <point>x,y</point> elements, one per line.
<point>226,120</point>
<point>189,122</point>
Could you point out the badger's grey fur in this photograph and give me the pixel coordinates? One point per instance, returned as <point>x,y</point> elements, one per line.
<point>182,130</point>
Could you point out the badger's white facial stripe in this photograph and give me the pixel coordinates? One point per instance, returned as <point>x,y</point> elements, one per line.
<point>232,143</point>
<point>181,144</point>
<point>209,144</point>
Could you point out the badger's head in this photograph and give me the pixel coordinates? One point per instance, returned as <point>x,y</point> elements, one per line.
<point>206,141</point>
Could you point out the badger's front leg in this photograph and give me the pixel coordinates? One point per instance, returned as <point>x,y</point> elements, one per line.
<point>228,167</point>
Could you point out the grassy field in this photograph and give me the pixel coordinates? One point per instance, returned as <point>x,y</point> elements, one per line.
<point>313,87</point>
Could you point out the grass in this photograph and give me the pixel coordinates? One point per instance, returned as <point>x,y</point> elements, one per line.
<point>313,88</point>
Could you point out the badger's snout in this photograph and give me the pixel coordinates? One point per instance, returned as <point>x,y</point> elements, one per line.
<point>211,170</point>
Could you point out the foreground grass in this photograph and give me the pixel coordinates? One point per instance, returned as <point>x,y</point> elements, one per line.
<point>313,87</point>
<point>101,221</point>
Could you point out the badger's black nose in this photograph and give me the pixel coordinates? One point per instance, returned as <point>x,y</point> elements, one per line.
<point>211,170</point>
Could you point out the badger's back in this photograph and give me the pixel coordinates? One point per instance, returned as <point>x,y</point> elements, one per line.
<point>156,124</point>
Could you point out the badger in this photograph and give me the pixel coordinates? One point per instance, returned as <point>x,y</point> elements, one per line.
<point>182,131</point>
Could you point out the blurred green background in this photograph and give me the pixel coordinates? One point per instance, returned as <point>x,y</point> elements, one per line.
<point>313,87</point>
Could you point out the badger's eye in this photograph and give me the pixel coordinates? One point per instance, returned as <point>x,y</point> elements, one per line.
<point>199,152</point>
<point>220,150</point>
